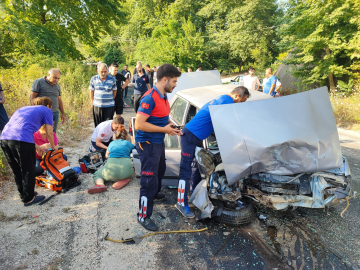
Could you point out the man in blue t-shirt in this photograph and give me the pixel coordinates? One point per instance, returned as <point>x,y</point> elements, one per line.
<point>141,85</point>
<point>152,122</point>
<point>269,87</point>
<point>197,130</point>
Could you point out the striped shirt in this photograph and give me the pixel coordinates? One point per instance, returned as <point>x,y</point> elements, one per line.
<point>103,91</point>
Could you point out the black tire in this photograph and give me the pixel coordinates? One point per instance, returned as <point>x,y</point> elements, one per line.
<point>235,217</point>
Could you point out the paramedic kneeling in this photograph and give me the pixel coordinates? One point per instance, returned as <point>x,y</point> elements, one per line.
<point>197,130</point>
<point>17,142</point>
<point>103,133</point>
<point>152,122</point>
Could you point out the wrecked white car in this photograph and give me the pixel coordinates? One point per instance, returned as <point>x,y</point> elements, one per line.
<point>276,152</point>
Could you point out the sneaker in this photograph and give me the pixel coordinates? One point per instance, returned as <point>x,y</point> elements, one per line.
<point>185,211</point>
<point>126,106</point>
<point>159,196</point>
<point>35,194</point>
<point>148,224</point>
<point>35,200</point>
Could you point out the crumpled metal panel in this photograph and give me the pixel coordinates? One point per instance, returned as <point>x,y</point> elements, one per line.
<point>284,136</point>
<point>200,199</point>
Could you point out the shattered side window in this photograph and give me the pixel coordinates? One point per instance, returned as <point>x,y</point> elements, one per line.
<point>177,110</point>
<point>212,143</point>
<point>191,113</point>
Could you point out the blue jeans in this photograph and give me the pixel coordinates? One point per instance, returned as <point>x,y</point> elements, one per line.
<point>56,120</point>
<point>188,165</point>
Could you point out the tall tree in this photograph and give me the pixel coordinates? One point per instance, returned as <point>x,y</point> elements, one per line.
<point>320,34</point>
<point>50,26</point>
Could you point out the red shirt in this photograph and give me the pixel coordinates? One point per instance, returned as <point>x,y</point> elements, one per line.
<point>39,140</point>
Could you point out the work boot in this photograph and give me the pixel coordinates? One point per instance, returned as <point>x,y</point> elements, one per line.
<point>185,211</point>
<point>159,196</point>
<point>149,224</point>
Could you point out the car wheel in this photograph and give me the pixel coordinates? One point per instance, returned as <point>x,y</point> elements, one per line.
<point>237,217</point>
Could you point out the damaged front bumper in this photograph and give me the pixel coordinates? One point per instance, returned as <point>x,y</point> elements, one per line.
<point>317,190</point>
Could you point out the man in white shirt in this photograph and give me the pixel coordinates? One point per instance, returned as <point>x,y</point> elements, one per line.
<point>103,133</point>
<point>251,82</point>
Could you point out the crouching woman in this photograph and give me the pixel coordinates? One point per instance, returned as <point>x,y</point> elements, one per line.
<point>17,142</point>
<point>118,166</point>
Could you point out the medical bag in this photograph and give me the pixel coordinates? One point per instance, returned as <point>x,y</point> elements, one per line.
<point>91,162</point>
<point>60,176</point>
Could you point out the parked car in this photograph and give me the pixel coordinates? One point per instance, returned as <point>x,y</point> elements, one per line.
<point>239,80</point>
<point>292,171</point>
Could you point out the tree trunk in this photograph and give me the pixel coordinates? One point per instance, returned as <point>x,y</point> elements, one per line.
<point>330,75</point>
<point>240,65</point>
<point>332,83</point>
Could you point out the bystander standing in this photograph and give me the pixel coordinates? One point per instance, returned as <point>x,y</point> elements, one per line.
<point>121,83</point>
<point>251,82</point>
<point>102,93</point>
<point>155,70</point>
<point>269,87</point>
<point>127,74</point>
<point>141,81</point>
<point>48,87</point>
<point>150,73</point>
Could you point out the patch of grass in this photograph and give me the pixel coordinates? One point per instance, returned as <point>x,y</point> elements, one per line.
<point>67,209</point>
<point>16,217</point>
<point>346,106</point>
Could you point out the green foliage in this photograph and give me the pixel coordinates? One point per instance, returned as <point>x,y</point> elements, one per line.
<point>113,55</point>
<point>224,34</point>
<point>49,27</point>
<point>345,87</point>
<point>322,36</point>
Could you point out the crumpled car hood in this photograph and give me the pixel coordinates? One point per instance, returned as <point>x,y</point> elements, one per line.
<point>283,136</point>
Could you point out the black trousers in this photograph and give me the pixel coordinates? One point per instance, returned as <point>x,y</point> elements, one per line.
<point>102,114</point>
<point>22,160</point>
<point>125,92</point>
<point>137,98</point>
<point>119,106</point>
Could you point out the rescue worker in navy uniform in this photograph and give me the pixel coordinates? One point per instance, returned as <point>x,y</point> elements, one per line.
<point>194,132</point>
<point>152,122</point>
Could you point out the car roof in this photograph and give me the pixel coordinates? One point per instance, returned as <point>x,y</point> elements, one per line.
<point>199,96</point>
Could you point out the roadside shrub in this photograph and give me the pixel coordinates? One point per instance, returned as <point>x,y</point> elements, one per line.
<point>346,105</point>
<point>74,84</point>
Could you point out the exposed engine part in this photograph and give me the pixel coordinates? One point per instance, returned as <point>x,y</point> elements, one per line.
<point>219,188</point>
<point>205,161</point>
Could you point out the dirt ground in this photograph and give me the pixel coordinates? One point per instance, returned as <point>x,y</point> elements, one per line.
<point>68,231</point>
